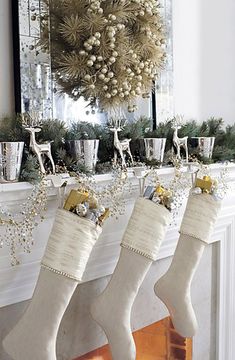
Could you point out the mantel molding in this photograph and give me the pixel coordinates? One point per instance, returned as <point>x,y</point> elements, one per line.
<point>226,291</point>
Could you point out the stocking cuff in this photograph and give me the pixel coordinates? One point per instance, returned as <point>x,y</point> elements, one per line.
<point>146,228</point>
<point>200,216</point>
<point>70,243</point>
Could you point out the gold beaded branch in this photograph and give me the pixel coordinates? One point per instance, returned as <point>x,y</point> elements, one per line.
<point>17,232</point>
<point>109,52</point>
<point>112,195</point>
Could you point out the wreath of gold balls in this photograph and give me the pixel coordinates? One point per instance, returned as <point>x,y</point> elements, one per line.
<point>108,51</point>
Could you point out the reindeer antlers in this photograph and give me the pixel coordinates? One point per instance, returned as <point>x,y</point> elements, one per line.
<point>177,120</point>
<point>116,123</point>
<point>31,119</point>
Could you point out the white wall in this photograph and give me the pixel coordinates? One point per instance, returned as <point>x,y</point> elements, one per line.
<point>186,59</point>
<point>6,61</point>
<point>204,55</point>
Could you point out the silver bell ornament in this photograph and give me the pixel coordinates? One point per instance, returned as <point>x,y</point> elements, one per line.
<point>81,210</point>
<point>91,215</point>
<point>156,199</point>
<point>218,195</point>
<point>196,191</point>
<point>100,211</point>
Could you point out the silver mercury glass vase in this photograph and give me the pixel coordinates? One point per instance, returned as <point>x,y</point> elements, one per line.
<point>205,145</point>
<point>154,148</point>
<point>85,151</point>
<point>10,161</point>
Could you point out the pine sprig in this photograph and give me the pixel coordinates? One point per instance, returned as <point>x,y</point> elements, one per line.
<point>30,171</point>
<point>11,129</point>
<point>84,131</point>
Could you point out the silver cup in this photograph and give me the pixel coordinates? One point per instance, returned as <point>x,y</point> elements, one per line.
<point>154,148</point>
<point>205,146</point>
<point>85,151</point>
<point>10,160</point>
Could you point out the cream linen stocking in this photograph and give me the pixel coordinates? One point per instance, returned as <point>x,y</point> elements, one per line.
<point>68,250</point>
<point>174,287</point>
<point>112,309</point>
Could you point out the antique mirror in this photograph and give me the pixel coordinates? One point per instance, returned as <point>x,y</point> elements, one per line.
<point>35,89</point>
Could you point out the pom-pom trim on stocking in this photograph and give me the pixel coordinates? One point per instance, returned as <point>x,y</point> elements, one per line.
<point>58,272</point>
<point>138,251</point>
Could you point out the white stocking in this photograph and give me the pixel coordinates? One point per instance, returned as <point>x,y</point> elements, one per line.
<point>140,245</point>
<point>174,287</point>
<point>112,308</point>
<point>34,337</point>
<point>69,247</point>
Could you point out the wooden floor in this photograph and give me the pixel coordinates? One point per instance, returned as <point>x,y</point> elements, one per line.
<point>158,341</point>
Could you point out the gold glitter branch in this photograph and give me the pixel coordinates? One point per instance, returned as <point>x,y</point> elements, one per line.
<point>18,227</point>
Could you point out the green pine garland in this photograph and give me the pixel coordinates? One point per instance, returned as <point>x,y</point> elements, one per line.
<point>11,129</point>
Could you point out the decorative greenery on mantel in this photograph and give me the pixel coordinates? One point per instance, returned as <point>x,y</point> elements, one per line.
<point>11,129</point>
<point>84,131</point>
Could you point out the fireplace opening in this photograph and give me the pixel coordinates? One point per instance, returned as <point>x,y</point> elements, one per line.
<point>158,341</point>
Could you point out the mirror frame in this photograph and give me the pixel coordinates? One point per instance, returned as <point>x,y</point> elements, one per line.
<point>16,54</point>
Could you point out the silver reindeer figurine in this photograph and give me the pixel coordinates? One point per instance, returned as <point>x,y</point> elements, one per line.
<point>116,125</point>
<point>40,149</point>
<point>33,122</point>
<point>179,142</point>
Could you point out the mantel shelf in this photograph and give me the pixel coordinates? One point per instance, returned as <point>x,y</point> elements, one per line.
<point>164,172</point>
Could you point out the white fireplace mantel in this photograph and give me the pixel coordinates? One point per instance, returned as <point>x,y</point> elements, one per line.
<point>17,283</point>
